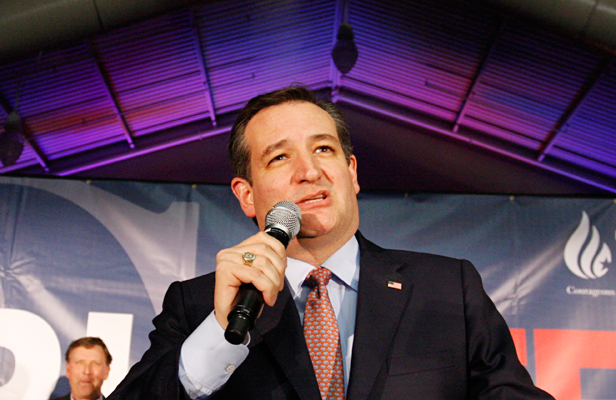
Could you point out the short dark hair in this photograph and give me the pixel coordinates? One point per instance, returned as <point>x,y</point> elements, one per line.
<point>239,153</point>
<point>88,342</point>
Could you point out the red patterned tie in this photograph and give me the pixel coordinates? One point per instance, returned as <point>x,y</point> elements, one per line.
<point>322,337</point>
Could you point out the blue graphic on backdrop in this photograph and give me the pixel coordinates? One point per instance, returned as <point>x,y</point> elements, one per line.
<point>69,248</point>
<point>60,263</point>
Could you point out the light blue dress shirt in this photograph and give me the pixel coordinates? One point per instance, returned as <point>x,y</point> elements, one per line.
<point>207,360</point>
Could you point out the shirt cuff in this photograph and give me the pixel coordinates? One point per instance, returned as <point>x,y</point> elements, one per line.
<point>207,360</point>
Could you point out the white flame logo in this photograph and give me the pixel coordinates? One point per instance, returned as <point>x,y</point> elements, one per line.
<point>588,263</point>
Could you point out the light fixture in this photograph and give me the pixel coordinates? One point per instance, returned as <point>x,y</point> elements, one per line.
<point>11,140</point>
<point>344,52</point>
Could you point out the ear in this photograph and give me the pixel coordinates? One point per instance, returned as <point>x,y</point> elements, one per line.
<point>242,189</point>
<point>353,171</point>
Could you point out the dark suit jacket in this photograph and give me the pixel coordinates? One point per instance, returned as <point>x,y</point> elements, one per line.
<point>67,397</point>
<point>439,337</point>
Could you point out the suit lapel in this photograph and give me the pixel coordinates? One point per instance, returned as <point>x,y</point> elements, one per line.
<point>379,308</point>
<point>280,329</point>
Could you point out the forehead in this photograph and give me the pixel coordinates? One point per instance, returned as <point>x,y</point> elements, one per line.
<point>92,353</point>
<point>288,120</point>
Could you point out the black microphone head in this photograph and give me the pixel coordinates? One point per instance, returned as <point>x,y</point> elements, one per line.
<point>285,216</point>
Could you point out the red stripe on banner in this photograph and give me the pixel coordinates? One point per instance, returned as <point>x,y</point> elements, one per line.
<point>560,354</point>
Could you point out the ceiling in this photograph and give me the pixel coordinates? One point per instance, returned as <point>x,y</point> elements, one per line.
<point>446,95</point>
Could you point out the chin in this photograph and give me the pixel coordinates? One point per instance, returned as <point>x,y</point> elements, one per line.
<point>301,236</point>
<point>307,233</point>
<point>313,233</point>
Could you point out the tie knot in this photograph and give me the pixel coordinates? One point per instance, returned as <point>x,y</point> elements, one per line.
<point>319,276</point>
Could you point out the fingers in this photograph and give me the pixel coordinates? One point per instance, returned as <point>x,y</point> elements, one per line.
<point>269,261</point>
<point>266,272</point>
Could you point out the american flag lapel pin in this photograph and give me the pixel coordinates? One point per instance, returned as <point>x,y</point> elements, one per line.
<point>394,285</point>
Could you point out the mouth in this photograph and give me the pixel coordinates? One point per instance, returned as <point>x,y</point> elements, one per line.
<point>315,198</point>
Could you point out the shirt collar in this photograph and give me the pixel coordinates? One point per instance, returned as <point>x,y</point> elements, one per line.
<point>344,264</point>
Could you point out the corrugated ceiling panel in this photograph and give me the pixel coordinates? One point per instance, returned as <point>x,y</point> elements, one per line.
<point>81,138</point>
<point>71,116</point>
<point>422,55</point>
<point>62,99</point>
<point>446,35</point>
<point>503,109</point>
<point>402,99</point>
<point>504,134</point>
<point>155,72</point>
<point>257,46</point>
<point>578,159</point>
<point>54,86</point>
<point>533,77</point>
<point>12,76</point>
<point>167,114</point>
<point>148,52</point>
<point>592,130</point>
<point>529,58</point>
<point>427,51</point>
<point>173,87</point>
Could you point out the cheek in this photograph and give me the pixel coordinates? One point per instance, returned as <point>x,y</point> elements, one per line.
<point>267,195</point>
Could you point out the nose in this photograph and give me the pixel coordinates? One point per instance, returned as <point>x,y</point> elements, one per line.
<point>87,369</point>
<point>307,169</point>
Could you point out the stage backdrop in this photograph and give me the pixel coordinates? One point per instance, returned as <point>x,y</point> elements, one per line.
<point>95,258</point>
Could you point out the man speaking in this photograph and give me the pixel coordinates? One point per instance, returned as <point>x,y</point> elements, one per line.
<point>344,318</point>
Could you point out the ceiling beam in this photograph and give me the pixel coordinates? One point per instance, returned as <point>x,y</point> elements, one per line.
<point>203,67</point>
<point>149,145</point>
<point>470,92</point>
<point>477,139</point>
<point>110,93</point>
<point>563,122</point>
<point>117,152</point>
<point>36,150</point>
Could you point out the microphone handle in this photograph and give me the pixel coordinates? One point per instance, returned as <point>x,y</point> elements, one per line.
<point>282,236</point>
<point>247,306</point>
<point>248,302</point>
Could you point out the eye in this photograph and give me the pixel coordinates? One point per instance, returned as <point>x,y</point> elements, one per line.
<point>279,157</point>
<point>324,149</point>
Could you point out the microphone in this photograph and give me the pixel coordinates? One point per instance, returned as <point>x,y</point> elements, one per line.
<point>282,222</point>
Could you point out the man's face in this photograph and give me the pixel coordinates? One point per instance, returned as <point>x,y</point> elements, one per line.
<point>86,369</point>
<point>296,156</point>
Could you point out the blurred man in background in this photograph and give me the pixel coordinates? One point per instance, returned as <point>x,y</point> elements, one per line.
<point>87,366</point>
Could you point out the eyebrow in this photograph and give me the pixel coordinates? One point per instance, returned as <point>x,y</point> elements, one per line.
<point>324,136</point>
<point>314,138</point>
<point>273,147</point>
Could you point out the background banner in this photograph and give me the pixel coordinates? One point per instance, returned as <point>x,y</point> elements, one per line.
<point>95,258</point>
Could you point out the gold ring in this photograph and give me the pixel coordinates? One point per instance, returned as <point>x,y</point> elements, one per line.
<point>248,258</point>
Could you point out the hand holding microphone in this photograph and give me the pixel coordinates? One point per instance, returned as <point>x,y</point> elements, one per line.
<point>282,222</point>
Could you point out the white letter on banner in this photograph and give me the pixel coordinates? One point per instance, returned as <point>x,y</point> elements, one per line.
<point>37,352</point>
<point>115,330</point>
